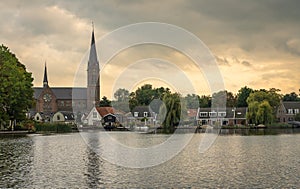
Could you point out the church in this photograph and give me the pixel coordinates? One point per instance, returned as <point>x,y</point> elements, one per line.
<point>49,100</point>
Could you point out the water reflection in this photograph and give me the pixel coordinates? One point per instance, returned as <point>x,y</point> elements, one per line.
<point>233,161</point>
<point>94,163</point>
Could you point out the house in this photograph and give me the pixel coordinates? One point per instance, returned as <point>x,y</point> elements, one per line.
<point>41,117</point>
<point>287,110</point>
<point>98,115</point>
<point>64,117</point>
<point>228,116</point>
<point>143,115</point>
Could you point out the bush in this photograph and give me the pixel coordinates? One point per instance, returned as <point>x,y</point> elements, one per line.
<point>52,127</point>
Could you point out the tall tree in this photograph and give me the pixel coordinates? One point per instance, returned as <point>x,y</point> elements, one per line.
<point>242,96</point>
<point>174,112</point>
<point>16,93</point>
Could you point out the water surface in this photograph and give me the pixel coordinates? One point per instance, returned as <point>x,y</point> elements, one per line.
<point>234,161</point>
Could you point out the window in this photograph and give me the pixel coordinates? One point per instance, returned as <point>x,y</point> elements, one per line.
<point>136,114</point>
<point>203,114</point>
<point>221,114</point>
<point>58,117</point>
<point>212,114</point>
<point>94,114</point>
<point>145,114</point>
<point>290,111</point>
<point>296,111</point>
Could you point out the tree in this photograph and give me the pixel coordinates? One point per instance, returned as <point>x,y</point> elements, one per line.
<point>291,97</point>
<point>205,101</point>
<point>146,94</point>
<point>264,113</point>
<point>192,101</point>
<point>242,96</point>
<point>230,99</point>
<point>16,93</point>
<point>121,95</point>
<point>261,101</point>
<point>105,102</point>
<point>173,115</point>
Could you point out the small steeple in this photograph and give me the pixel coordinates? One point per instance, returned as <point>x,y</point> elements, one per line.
<point>45,81</point>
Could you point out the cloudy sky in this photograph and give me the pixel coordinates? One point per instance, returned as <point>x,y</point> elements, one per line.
<point>255,43</point>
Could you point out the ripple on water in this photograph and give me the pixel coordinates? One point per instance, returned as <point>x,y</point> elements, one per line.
<point>65,161</point>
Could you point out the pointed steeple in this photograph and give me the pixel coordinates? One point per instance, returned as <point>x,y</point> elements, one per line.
<point>93,79</point>
<point>93,53</point>
<point>45,81</point>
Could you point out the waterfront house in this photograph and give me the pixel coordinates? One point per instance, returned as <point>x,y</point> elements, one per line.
<point>143,115</point>
<point>287,110</point>
<point>223,117</point>
<point>98,115</point>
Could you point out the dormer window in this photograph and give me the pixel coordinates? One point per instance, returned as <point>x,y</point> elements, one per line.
<point>296,111</point>
<point>212,114</point>
<point>136,114</point>
<point>145,114</point>
<point>290,111</point>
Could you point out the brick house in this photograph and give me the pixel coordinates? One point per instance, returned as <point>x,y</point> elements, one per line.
<point>287,111</point>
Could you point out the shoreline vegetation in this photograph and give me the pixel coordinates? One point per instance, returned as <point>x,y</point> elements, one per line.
<point>52,128</point>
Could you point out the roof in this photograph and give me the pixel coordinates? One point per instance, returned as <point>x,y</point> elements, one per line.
<point>192,112</point>
<point>141,110</point>
<point>76,93</point>
<point>103,111</point>
<point>291,104</point>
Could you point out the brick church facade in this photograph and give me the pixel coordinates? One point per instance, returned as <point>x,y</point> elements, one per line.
<point>49,100</point>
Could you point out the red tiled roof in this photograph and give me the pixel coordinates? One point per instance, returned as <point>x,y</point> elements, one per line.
<point>103,111</point>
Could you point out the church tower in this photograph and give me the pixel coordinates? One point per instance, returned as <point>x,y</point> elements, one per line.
<point>93,77</point>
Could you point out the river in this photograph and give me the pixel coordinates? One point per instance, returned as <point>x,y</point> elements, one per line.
<point>234,160</point>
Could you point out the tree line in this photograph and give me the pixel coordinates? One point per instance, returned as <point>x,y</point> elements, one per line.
<point>262,104</point>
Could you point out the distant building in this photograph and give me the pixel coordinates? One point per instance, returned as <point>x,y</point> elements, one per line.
<point>49,100</point>
<point>228,116</point>
<point>287,111</point>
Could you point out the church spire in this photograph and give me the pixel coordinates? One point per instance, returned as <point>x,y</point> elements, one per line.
<point>45,81</point>
<point>93,80</point>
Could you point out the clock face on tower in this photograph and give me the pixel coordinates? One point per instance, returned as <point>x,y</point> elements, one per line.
<point>47,97</point>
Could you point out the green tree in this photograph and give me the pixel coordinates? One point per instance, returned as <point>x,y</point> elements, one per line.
<point>291,97</point>
<point>173,115</point>
<point>264,113</point>
<point>146,94</point>
<point>16,93</point>
<point>105,102</point>
<point>205,101</point>
<point>121,95</point>
<point>230,99</point>
<point>242,96</point>
<point>192,101</point>
<point>257,100</point>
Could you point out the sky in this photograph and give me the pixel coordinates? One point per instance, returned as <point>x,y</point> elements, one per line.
<point>255,43</point>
